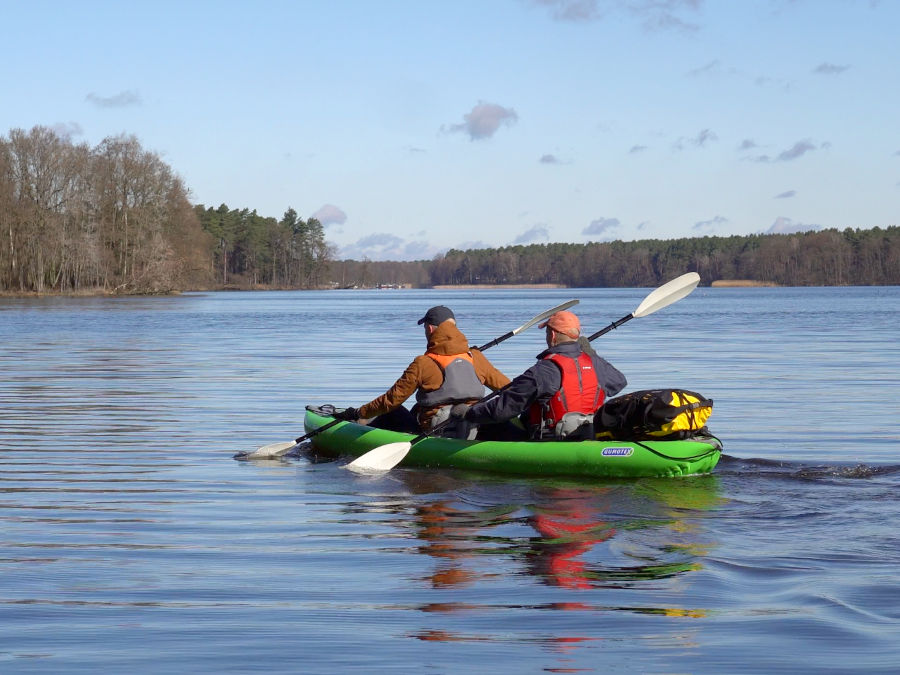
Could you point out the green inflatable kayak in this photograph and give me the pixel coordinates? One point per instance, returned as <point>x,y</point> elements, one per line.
<point>604,459</point>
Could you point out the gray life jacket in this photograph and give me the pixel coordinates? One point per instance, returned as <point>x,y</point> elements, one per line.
<point>460,384</point>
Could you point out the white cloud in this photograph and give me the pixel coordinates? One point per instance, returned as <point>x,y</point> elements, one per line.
<point>385,246</point>
<point>533,234</point>
<point>601,227</point>
<point>67,130</point>
<point>484,120</point>
<point>784,225</point>
<point>329,214</point>
<point>120,100</point>
<point>829,69</point>
<point>710,225</point>
<point>796,151</point>
<point>653,14</point>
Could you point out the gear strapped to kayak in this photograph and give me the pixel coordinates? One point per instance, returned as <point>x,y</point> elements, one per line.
<point>654,414</point>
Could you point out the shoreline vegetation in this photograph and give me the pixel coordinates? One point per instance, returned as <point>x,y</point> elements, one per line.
<point>477,287</point>
<point>741,283</point>
<point>114,219</point>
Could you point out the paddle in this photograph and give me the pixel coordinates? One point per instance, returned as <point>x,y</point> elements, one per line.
<point>665,295</point>
<point>386,457</point>
<point>275,450</point>
<point>529,324</point>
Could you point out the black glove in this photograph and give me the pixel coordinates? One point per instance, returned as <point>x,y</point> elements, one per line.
<point>347,414</point>
<point>459,410</point>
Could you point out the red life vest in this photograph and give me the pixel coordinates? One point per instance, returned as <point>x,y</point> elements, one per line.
<point>580,392</point>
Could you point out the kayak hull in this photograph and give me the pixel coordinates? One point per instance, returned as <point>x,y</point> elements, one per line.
<point>601,459</point>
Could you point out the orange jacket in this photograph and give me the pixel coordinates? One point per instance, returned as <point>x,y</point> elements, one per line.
<point>426,374</point>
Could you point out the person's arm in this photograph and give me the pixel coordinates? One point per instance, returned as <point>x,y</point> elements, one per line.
<point>610,378</point>
<point>394,397</point>
<point>492,378</point>
<point>535,382</point>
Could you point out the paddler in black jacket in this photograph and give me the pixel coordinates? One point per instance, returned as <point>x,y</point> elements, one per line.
<point>558,396</point>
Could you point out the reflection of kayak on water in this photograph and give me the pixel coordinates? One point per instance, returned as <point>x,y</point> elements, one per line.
<point>562,533</point>
<point>612,459</point>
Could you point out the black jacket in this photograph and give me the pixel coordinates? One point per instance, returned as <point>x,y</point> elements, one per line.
<point>539,383</point>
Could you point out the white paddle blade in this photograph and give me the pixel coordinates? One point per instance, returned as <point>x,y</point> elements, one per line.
<point>271,451</point>
<point>545,315</point>
<point>382,458</point>
<point>668,293</point>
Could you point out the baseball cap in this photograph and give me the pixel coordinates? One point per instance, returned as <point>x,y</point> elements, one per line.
<point>565,323</point>
<point>436,316</point>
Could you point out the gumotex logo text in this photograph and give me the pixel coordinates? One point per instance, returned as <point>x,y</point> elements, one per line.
<point>617,452</point>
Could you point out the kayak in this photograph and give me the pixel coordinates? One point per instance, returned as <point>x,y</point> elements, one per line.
<point>598,459</point>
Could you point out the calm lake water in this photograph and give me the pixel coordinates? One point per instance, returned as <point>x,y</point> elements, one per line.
<point>132,541</point>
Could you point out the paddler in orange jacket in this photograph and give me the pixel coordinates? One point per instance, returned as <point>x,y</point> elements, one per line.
<point>449,372</point>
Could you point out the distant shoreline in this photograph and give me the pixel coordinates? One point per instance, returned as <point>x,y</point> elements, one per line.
<point>452,287</point>
<point>742,283</point>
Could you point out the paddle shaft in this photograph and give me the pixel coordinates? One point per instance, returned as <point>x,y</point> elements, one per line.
<point>613,325</point>
<point>528,324</point>
<point>496,341</point>
<point>316,431</point>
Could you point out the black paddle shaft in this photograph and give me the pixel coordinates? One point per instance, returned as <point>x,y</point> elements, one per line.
<point>316,431</point>
<point>614,324</point>
<point>495,341</point>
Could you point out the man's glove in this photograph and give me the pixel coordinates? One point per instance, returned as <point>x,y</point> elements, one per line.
<point>347,414</point>
<point>459,410</point>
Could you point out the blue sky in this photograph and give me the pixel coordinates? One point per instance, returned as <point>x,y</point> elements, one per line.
<point>413,126</point>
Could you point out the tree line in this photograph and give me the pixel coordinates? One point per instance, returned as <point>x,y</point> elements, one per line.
<point>116,218</point>
<point>73,217</point>
<point>252,251</point>
<point>852,257</point>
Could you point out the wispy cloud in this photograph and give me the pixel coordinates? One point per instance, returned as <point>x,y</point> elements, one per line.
<point>748,144</point>
<point>120,100</point>
<point>471,245</point>
<point>483,121</point>
<point>329,214</point>
<point>635,149</point>
<point>714,66</point>
<point>549,159</point>
<point>711,225</point>
<point>601,227</point>
<point>67,129</point>
<point>784,225</point>
<point>786,195</point>
<point>652,14</point>
<point>716,69</point>
<point>703,137</point>
<point>385,246</point>
<point>829,69</point>
<point>533,234</point>
<point>796,151</point>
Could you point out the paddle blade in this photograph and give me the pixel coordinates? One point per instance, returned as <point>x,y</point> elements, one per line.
<point>271,451</point>
<point>382,458</point>
<point>668,293</point>
<point>545,315</point>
